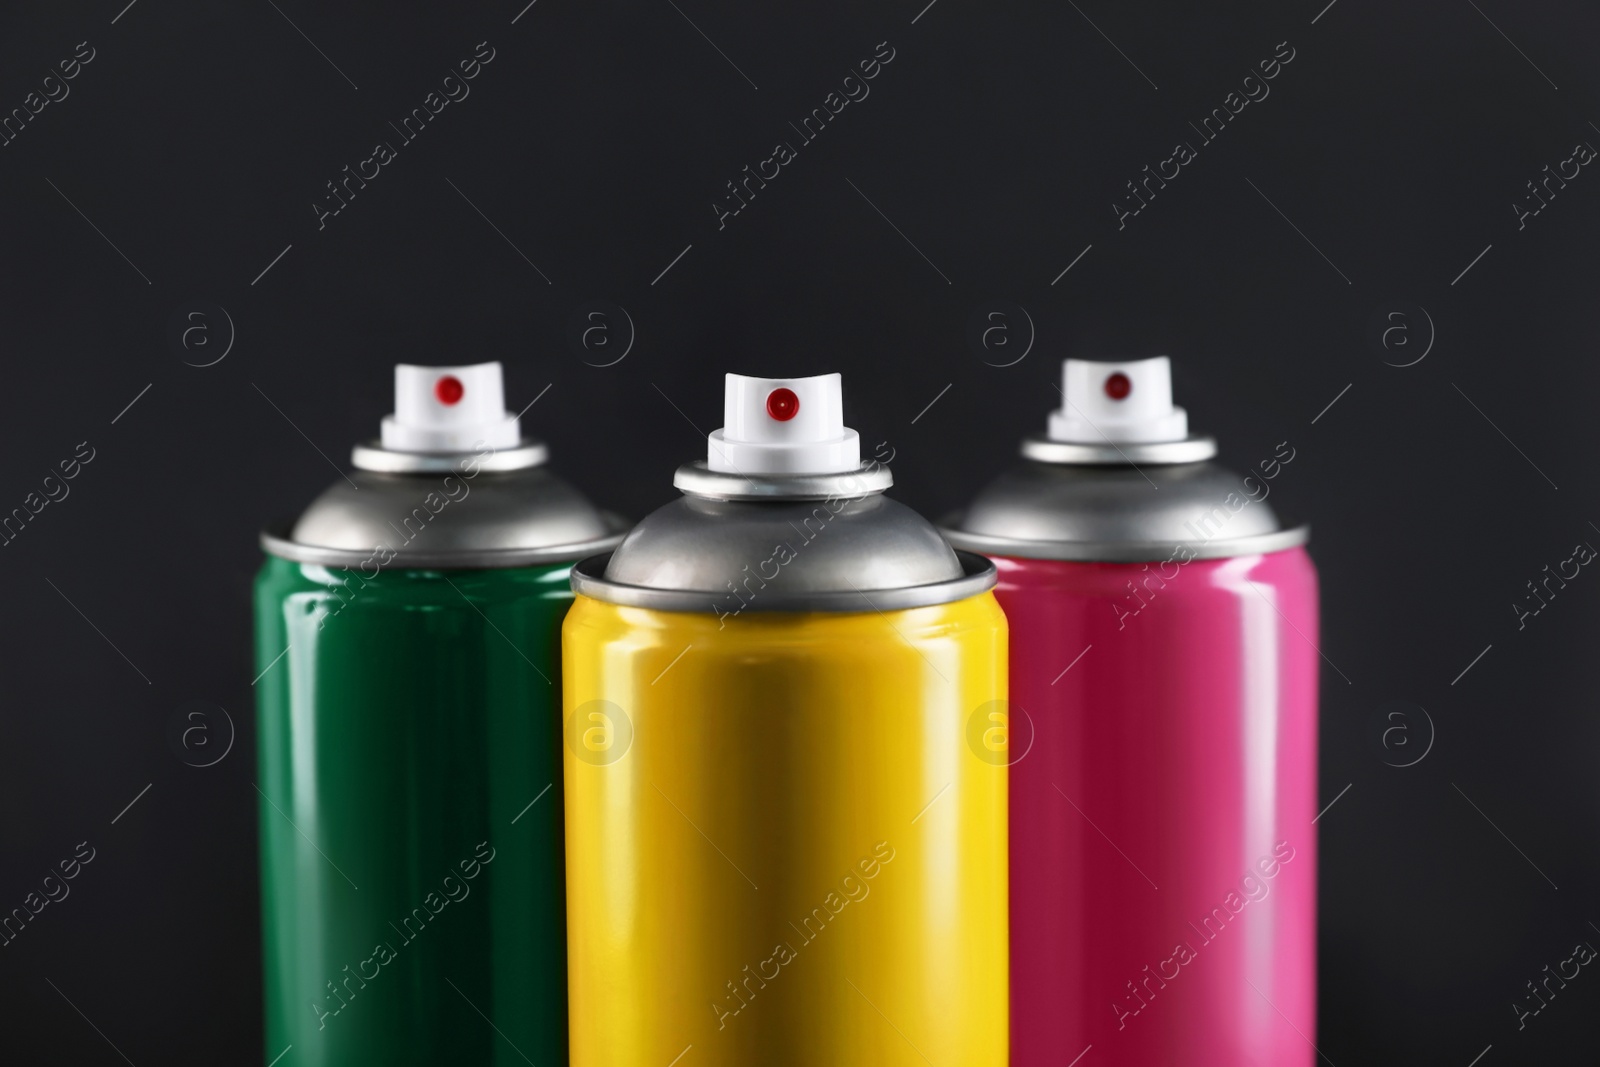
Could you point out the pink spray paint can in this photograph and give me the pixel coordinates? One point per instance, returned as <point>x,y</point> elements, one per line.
<point>1163,739</point>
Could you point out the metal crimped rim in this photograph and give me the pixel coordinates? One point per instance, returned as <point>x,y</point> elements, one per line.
<point>276,542</point>
<point>1126,551</point>
<point>979,575</point>
<point>700,480</point>
<point>372,456</point>
<point>1193,449</point>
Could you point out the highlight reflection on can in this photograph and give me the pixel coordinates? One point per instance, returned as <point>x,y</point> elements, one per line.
<point>407,639</point>
<point>1164,661</point>
<point>780,848</point>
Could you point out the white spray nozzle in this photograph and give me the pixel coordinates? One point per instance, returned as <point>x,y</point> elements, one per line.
<point>1121,403</point>
<point>784,426</point>
<point>449,409</point>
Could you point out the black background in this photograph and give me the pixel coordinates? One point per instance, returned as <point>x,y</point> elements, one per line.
<point>997,140</point>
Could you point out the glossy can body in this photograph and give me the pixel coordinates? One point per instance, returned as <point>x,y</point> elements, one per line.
<point>402,737</point>
<point>796,858</point>
<point>1177,751</point>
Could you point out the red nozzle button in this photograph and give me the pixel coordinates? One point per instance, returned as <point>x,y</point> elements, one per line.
<point>782,404</point>
<point>1118,386</point>
<point>448,389</point>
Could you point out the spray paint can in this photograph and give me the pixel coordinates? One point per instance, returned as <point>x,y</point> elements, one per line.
<point>1164,738</point>
<point>407,638</point>
<point>780,849</point>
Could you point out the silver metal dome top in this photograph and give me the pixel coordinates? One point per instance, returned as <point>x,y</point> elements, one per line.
<point>447,510</point>
<point>809,542</point>
<point>1099,503</point>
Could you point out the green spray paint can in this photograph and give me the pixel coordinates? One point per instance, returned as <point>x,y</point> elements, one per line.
<point>408,632</point>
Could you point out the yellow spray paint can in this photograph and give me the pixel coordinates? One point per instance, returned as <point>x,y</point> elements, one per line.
<point>785,801</point>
